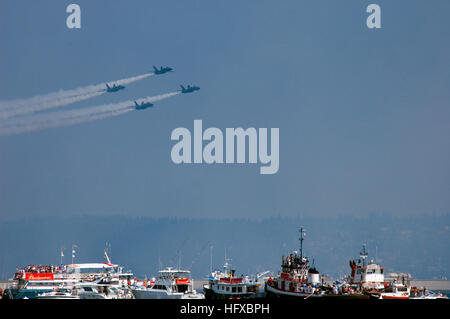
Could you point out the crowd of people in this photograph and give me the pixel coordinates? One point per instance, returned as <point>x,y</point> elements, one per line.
<point>41,269</point>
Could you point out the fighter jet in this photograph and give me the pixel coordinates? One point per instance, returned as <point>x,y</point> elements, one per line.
<point>114,88</point>
<point>189,89</point>
<point>143,105</point>
<point>162,70</point>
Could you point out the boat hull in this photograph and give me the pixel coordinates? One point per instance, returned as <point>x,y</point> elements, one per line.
<point>346,297</point>
<point>24,293</point>
<point>272,292</point>
<point>212,295</point>
<point>158,294</point>
<point>62,297</point>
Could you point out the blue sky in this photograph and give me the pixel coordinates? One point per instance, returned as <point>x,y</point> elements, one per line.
<point>363,114</point>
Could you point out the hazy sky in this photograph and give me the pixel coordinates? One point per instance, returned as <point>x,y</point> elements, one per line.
<point>363,114</point>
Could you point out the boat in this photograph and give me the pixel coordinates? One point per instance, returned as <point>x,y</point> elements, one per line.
<point>297,279</point>
<point>169,284</point>
<point>393,291</point>
<point>365,279</point>
<point>32,280</point>
<point>86,290</point>
<point>34,285</point>
<point>366,276</point>
<point>59,293</point>
<point>368,279</point>
<point>225,285</point>
<point>426,294</point>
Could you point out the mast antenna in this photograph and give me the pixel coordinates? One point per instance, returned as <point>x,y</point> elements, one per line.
<point>211,257</point>
<point>301,238</point>
<point>363,254</point>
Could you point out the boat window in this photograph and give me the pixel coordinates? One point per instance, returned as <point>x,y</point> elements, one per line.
<point>40,284</point>
<point>228,288</point>
<point>233,289</point>
<point>161,287</point>
<point>251,288</point>
<point>239,289</point>
<point>182,288</point>
<point>87,289</point>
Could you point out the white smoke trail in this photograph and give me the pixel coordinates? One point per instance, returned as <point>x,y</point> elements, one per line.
<point>48,105</point>
<point>60,98</point>
<point>71,117</point>
<point>65,122</point>
<point>151,99</point>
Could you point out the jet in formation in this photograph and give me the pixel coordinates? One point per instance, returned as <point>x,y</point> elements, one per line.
<point>114,88</point>
<point>189,89</point>
<point>143,105</point>
<point>162,70</point>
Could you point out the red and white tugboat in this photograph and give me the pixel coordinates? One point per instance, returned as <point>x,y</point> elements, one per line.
<point>297,279</point>
<point>369,277</point>
<point>366,276</point>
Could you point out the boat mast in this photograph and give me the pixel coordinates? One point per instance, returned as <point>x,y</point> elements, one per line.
<point>226,265</point>
<point>62,254</point>
<point>107,256</point>
<point>210,257</point>
<point>302,237</point>
<point>363,254</point>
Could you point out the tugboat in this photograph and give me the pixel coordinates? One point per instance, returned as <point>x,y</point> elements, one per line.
<point>368,279</point>
<point>225,285</point>
<point>365,281</point>
<point>297,278</point>
<point>366,276</point>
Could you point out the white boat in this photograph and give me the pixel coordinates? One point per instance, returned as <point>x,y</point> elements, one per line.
<point>86,290</point>
<point>33,280</point>
<point>170,284</point>
<point>428,294</point>
<point>109,273</point>
<point>395,291</point>
<point>60,293</point>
